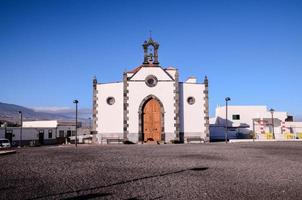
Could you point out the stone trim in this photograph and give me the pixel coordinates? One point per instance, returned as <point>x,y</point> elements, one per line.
<point>176,107</point>
<point>153,78</point>
<point>94,109</point>
<point>94,104</point>
<point>206,110</point>
<point>140,118</point>
<point>155,45</point>
<point>125,107</point>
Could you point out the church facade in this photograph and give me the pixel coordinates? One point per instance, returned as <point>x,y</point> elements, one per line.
<point>151,105</point>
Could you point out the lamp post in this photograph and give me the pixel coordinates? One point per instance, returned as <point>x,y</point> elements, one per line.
<point>272,112</point>
<point>76,135</point>
<point>21,119</point>
<point>226,118</point>
<point>89,119</point>
<point>90,125</point>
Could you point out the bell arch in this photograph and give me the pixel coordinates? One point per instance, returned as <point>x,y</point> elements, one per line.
<point>141,118</point>
<point>150,59</point>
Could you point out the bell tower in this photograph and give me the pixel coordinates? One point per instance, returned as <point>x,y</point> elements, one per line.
<point>150,52</point>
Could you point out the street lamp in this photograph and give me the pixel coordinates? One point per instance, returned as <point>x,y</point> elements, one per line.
<point>226,118</point>
<point>76,135</point>
<point>21,119</point>
<point>90,124</point>
<point>272,112</point>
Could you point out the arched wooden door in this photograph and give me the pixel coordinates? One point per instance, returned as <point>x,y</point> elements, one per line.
<point>152,121</point>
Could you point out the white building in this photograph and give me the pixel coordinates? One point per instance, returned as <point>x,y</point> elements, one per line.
<point>42,132</point>
<point>243,121</point>
<point>293,130</point>
<point>150,104</point>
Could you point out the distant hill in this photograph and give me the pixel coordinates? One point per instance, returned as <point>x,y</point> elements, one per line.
<point>9,113</point>
<point>298,118</point>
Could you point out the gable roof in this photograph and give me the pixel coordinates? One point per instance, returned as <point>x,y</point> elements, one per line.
<point>137,69</point>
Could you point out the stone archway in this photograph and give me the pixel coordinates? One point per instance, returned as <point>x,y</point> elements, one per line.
<point>151,120</point>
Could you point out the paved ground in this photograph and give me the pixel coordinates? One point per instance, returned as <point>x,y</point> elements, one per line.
<point>196,171</point>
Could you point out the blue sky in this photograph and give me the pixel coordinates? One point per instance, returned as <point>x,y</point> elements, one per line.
<point>250,50</point>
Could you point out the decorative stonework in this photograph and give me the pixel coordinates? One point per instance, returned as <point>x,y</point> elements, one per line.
<point>191,100</point>
<point>151,58</point>
<point>125,106</point>
<point>176,107</point>
<point>140,118</point>
<point>151,81</point>
<point>94,109</point>
<point>94,104</point>
<point>110,101</point>
<point>206,110</point>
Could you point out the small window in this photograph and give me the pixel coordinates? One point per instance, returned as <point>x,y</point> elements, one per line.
<point>151,81</point>
<point>73,133</point>
<point>191,100</point>
<point>236,117</point>
<point>110,100</point>
<point>49,133</point>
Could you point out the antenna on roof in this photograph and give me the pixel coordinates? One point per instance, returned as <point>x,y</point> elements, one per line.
<point>150,32</point>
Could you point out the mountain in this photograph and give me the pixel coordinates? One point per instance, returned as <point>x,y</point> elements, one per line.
<point>83,113</point>
<point>298,118</point>
<point>10,113</point>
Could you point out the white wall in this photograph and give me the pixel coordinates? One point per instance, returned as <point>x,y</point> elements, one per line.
<point>172,71</point>
<point>293,127</point>
<point>28,133</point>
<point>110,117</point>
<point>65,129</point>
<point>192,116</point>
<point>138,90</point>
<point>44,123</point>
<point>247,114</point>
<point>49,124</point>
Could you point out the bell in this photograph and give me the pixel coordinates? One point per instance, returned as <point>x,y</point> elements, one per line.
<point>150,57</point>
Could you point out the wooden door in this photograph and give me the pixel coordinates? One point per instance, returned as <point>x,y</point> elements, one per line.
<point>152,121</point>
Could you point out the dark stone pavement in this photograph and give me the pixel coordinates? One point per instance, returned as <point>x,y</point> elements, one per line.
<point>261,170</point>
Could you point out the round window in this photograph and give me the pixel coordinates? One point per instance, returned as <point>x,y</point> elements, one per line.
<point>110,100</point>
<point>191,100</point>
<point>151,81</point>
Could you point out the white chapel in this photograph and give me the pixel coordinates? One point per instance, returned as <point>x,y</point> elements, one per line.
<point>150,105</point>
